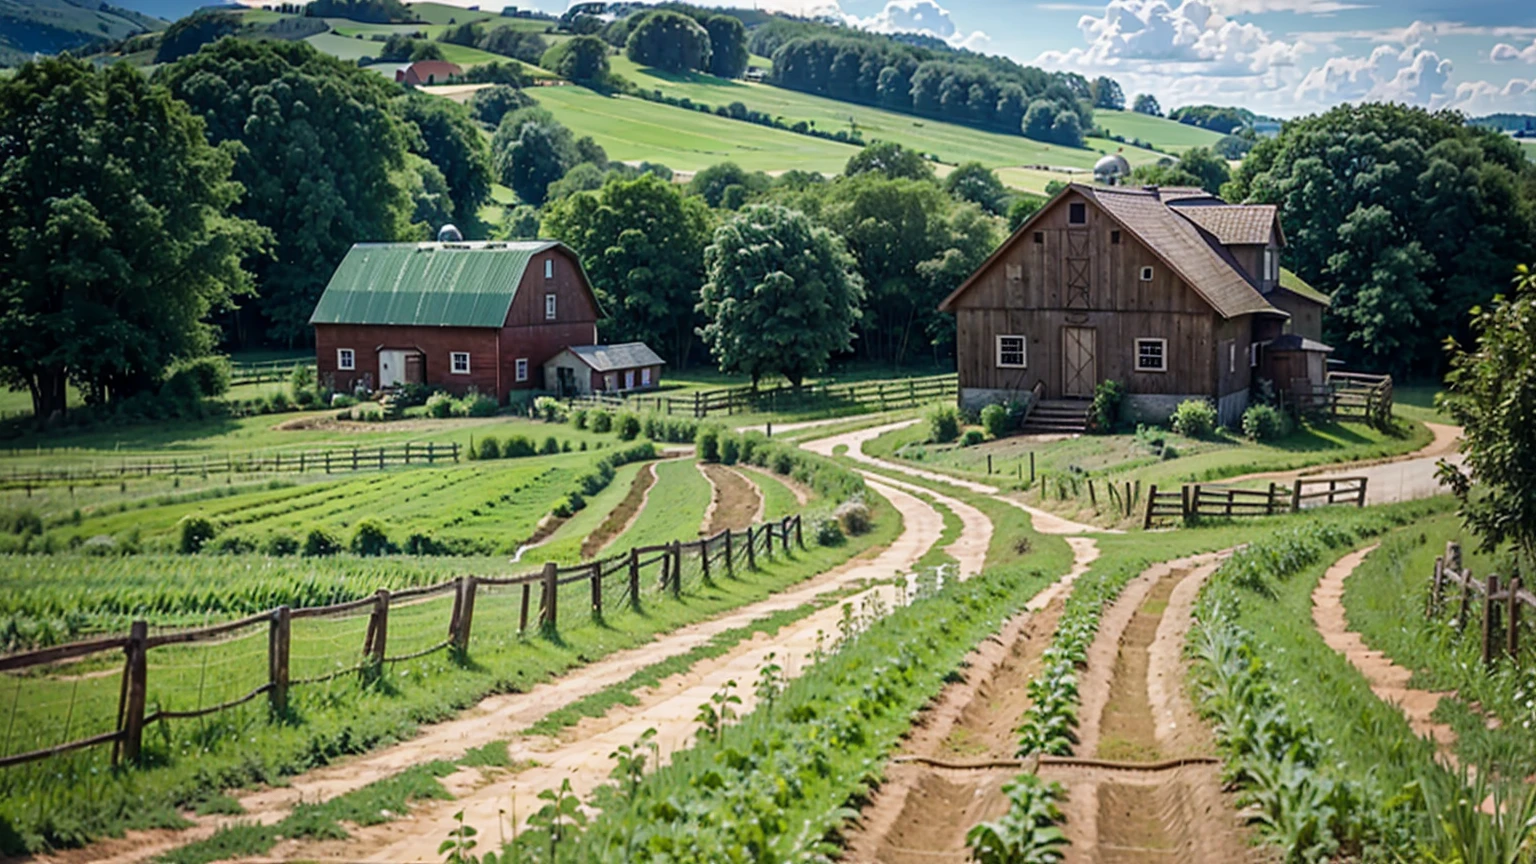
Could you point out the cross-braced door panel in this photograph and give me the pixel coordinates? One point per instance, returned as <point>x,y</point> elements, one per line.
<point>1078,296</point>
<point>1079,363</point>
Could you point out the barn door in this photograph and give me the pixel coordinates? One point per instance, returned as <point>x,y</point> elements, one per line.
<point>1079,366</point>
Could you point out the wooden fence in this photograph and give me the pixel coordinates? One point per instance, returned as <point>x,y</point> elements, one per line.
<point>1195,500</point>
<point>266,370</point>
<point>1501,602</point>
<point>614,582</point>
<point>275,462</point>
<point>875,395</point>
<point>1346,396</point>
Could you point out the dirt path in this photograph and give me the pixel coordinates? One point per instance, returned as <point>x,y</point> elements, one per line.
<point>623,516</point>
<point>1408,477</point>
<point>735,503</point>
<point>1389,681</point>
<point>669,708</point>
<point>970,548</point>
<point>922,812</point>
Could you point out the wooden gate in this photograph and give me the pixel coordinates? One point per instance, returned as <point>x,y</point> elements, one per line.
<point>1079,366</point>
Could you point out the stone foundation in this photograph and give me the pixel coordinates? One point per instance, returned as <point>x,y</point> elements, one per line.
<point>973,399</point>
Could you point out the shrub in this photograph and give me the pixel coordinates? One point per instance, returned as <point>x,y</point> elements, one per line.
<point>853,516</point>
<point>1105,413</point>
<point>412,395</point>
<point>600,421</point>
<point>301,384</point>
<point>549,409</point>
<point>193,532</point>
<point>708,442</point>
<point>475,404</point>
<point>440,405</point>
<point>342,400</point>
<point>551,446</point>
<point>1263,423</point>
<point>1194,418</point>
<point>994,419</point>
<point>570,505</point>
<point>943,424</point>
<point>628,427</point>
<point>579,418</point>
<point>370,539</point>
<point>280,546</point>
<point>782,461</point>
<point>21,522</point>
<point>319,543</point>
<point>278,402</point>
<point>972,437</point>
<point>233,544</point>
<point>490,448</point>
<point>518,447</point>
<point>423,544</point>
<point>827,532</point>
<point>730,449</point>
<point>203,377</point>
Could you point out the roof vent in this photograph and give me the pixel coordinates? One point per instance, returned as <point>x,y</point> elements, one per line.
<point>449,234</point>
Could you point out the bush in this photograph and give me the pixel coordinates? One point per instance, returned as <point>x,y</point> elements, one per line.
<point>21,522</point>
<point>551,446</point>
<point>1263,423</point>
<point>301,384</point>
<point>628,427</point>
<point>278,402</point>
<point>319,543</point>
<point>233,544</point>
<point>579,418</point>
<point>853,517</point>
<point>475,404</point>
<point>370,539</point>
<point>193,533</point>
<point>518,447</point>
<point>972,437</point>
<point>994,419</point>
<point>1105,413</point>
<point>600,421</point>
<point>1194,418</point>
<point>708,442</point>
<point>203,377</point>
<point>280,546</point>
<point>730,449</point>
<point>827,532</point>
<point>342,400</point>
<point>490,448</point>
<point>943,424</point>
<point>782,461</point>
<point>440,405</point>
<point>549,409</point>
<point>423,544</point>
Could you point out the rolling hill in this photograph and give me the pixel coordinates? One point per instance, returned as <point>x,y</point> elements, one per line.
<point>1162,133</point>
<point>53,26</point>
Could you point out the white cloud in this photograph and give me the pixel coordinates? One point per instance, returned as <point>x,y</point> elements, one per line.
<point>1507,53</point>
<point>1300,7</point>
<point>1475,98</point>
<point>1416,76</point>
<point>921,16</point>
<point>1137,32</point>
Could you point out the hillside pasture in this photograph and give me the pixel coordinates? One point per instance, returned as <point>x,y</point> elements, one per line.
<point>1160,132</point>
<point>674,509</point>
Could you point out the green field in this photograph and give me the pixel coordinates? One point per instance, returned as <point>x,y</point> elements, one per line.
<point>1160,132</point>
<point>1530,147</point>
<point>674,509</point>
<point>778,501</point>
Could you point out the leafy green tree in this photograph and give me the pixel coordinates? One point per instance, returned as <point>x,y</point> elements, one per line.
<point>978,184</point>
<point>490,104</point>
<point>1211,170</point>
<point>1447,209</point>
<point>583,59</point>
<point>519,223</point>
<point>1214,117</point>
<point>1022,208</point>
<point>431,202</point>
<point>1146,103</point>
<point>1490,390</point>
<point>320,152</point>
<point>188,34</point>
<point>890,160</point>
<point>1233,146</point>
<point>670,41</point>
<point>531,149</point>
<point>117,233</point>
<point>1160,174</point>
<point>583,177</point>
<point>1107,94</point>
<point>712,182</point>
<point>449,139</point>
<point>642,242</point>
<point>424,50</point>
<point>511,42</point>
<point>1050,122</point>
<point>782,295</point>
<point>728,57</point>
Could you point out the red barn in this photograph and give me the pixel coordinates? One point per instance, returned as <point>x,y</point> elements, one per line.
<point>428,72</point>
<point>452,315</point>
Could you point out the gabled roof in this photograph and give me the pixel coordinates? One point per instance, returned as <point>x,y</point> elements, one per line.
<point>428,284</point>
<point>1170,194</point>
<point>1232,224</point>
<point>1293,342</point>
<point>610,358</point>
<point>1298,286</point>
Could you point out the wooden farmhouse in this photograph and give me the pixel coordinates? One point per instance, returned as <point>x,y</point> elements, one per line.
<point>583,370</point>
<point>1172,292</point>
<point>454,315</point>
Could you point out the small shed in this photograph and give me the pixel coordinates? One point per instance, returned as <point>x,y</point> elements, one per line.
<point>428,72</point>
<point>1298,366</point>
<point>581,370</point>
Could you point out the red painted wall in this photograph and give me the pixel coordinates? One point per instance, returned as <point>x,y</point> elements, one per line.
<point>435,344</point>
<point>532,336</point>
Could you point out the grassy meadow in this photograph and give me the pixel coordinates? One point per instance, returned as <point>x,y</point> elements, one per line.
<point>1160,132</point>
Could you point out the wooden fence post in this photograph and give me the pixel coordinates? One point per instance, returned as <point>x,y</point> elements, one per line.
<point>381,458</point>
<point>136,691</point>
<point>1490,618</point>
<point>1466,601</point>
<point>730,566</point>
<point>784,534</point>
<point>277,659</point>
<point>1093,497</point>
<point>467,591</point>
<point>354,458</point>
<point>677,569</point>
<point>751,548</point>
<point>1436,587</point>
<point>1296,496</point>
<point>453,617</point>
<point>634,579</point>
<point>378,629</point>
<point>549,611</point>
<point>597,589</point>
<point>455,451</point>
<point>1146,522</point>
<point>522,621</point>
<point>704,559</point>
<point>799,531</point>
<point>1031,467</point>
<point>1360,502</point>
<point>1512,620</point>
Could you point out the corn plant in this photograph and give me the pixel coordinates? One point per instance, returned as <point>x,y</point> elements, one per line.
<point>718,712</point>
<point>1027,833</point>
<point>560,820</point>
<point>459,848</point>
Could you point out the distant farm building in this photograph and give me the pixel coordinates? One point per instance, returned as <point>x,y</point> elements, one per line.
<point>456,315</point>
<point>586,369</point>
<point>1172,292</point>
<point>428,72</point>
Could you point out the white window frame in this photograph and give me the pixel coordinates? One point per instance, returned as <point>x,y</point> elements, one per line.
<point>346,360</point>
<point>1023,352</point>
<point>549,268</point>
<point>1147,273</point>
<point>521,369</point>
<point>453,362</point>
<point>551,305</point>
<point>1162,347</point>
<point>1271,264</point>
<point>645,377</point>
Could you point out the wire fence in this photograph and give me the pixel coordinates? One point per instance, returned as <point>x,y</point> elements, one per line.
<point>109,690</point>
<point>329,461</point>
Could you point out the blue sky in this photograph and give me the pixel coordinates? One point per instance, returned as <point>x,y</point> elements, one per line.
<point>1280,57</point>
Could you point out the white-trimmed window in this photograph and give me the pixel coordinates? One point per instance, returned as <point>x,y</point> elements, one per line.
<point>549,307</point>
<point>346,359</point>
<point>1146,274</point>
<point>645,377</point>
<point>549,268</point>
<point>522,369</point>
<point>1151,355</point>
<point>1012,352</point>
<point>458,362</point>
<point>1271,264</point>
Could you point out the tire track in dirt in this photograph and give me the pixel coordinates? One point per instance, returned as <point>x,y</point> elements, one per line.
<point>669,708</point>
<point>922,812</point>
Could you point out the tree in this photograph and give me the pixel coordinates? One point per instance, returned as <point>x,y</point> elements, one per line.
<point>511,42</point>
<point>1213,117</point>
<point>188,34</point>
<point>728,56</point>
<point>890,160</point>
<point>490,104</point>
<point>781,297</point>
<point>1233,147</point>
<point>1040,120</point>
<point>1490,389</point>
<point>1448,209</point>
<point>448,138</point>
<point>712,182</point>
<point>642,242</point>
<point>424,50</point>
<point>1162,174</point>
<point>1107,94</point>
<point>319,151</point>
<point>531,149</point>
<point>583,177</point>
<point>1146,103</point>
<point>670,41</point>
<point>1209,170</point>
<point>583,59</point>
<point>117,237</point>
<point>978,184</point>
<point>1021,209</point>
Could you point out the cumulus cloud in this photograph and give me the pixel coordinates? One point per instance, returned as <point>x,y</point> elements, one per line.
<point>921,16</point>
<point>1476,98</point>
<point>1408,74</point>
<point>1507,53</point>
<point>1301,7</point>
<point>1132,32</point>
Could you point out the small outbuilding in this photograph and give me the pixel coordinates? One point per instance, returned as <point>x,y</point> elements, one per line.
<point>428,72</point>
<point>581,370</point>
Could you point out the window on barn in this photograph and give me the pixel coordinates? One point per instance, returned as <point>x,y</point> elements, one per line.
<point>522,369</point>
<point>458,362</point>
<point>1151,355</point>
<point>1271,264</point>
<point>645,377</point>
<point>1039,238</point>
<point>1114,238</point>
<point>345,359</point>
<point>1077,214</point>
<point>1146,274</point>
<point>549,307</point>
<point>1011,352</point>
<point>549,268</point>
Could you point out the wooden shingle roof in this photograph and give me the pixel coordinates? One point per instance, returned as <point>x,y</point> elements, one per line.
<point>1232,224</point>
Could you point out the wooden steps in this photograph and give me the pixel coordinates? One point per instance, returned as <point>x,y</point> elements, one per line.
<point>1058,417</point>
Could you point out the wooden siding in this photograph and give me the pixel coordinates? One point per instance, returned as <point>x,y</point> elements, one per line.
<point>528,335</point>
<point>1078,277</point>
<point>434,343</point>
<point>1306,315</point>
<point>1233,338</point>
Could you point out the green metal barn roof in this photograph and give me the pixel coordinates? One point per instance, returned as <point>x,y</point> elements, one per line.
<point>427,284</point>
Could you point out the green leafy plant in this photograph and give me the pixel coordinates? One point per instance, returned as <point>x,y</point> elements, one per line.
<point>1263,423</point>
<point>630,761</point>
<point>1104,414</point>
<point>558,821</point>
<point>1028,832</point>
<point>459,848</point>
<point>550,409</point>
<point>718,712</point>
<point>1194,418</point>
<point>972,437</point>
<point>943,424</point>
<point>193,532</point>
<point>995,420</point>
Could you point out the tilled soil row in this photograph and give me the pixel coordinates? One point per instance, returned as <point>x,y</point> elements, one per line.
<point>735,503</point>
